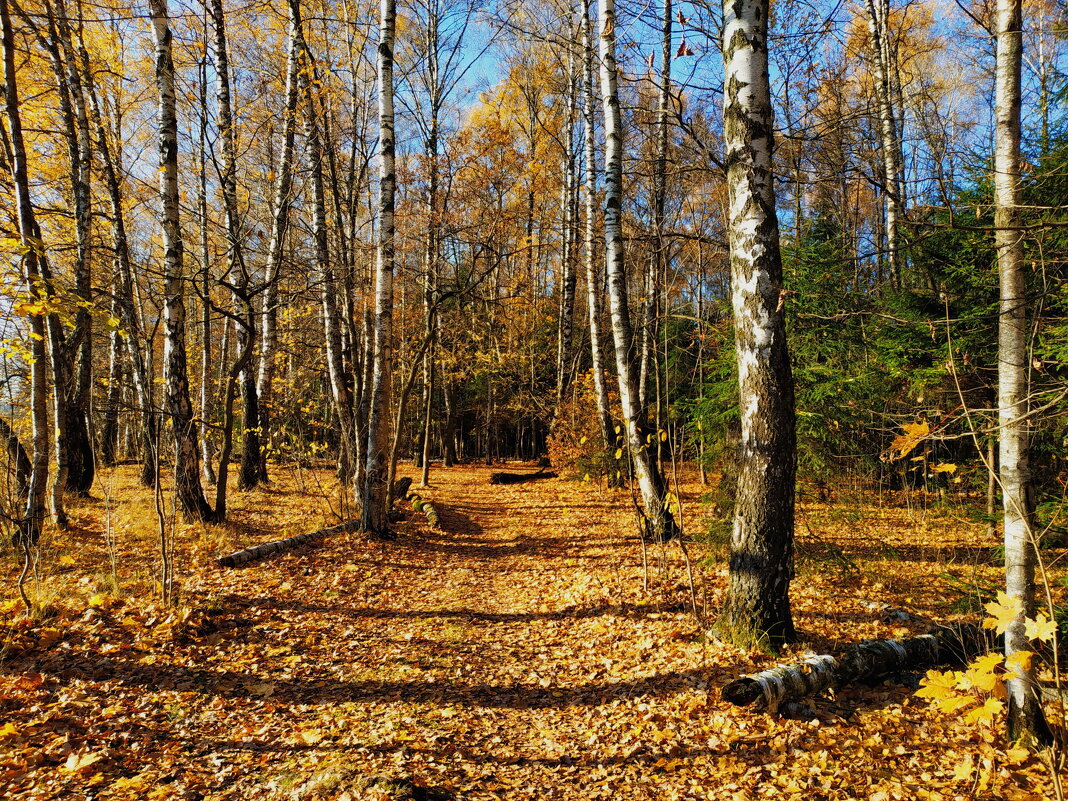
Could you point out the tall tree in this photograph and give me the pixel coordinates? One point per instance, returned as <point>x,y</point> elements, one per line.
<point>659,523</point>
<point>884,63</point>
<point>757,605</point>
<point>283,192</point>
<point>175,374</point>
<point>376,490</point>
<point>593,278</point>
<point>1025,718</point>
<point>33,513</point>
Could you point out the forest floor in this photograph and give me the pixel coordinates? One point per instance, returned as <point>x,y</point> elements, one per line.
<point>511,653</point>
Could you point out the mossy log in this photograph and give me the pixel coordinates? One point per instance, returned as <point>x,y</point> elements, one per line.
<point>867,661</point>
<point>519,478</point>
<point>427,509</point>
<point>267,549</point>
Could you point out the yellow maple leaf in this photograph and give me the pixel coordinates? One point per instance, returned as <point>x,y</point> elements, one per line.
<point>938,685</point>
<point>1002,613</point>
<point>1041,629</point>
<point>944,468</point>
<point>1019,661</point>
<point>984,713</point>
<point>903,444</point>
<point>981,673</point>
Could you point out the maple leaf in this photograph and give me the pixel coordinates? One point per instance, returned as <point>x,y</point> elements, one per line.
<point>986,712</point>
<point>904,443</point>
<point>1042,628</point>
<point>937,684</point>
<point>1002,613</point>
<point>1019,661</point>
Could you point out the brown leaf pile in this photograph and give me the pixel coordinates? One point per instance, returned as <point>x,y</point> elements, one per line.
<point>510,654</point>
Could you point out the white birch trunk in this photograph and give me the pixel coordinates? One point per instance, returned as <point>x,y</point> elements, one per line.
<point>375,491</point>
<point>757,605</point>
<point>1025,717</point>
<point>175,372</point>
<point>659,523</point>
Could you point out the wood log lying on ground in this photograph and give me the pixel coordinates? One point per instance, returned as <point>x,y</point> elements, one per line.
<point>866,661</point>
<point>257,552</point>
<point>427,508</point>
<point>519,478</point>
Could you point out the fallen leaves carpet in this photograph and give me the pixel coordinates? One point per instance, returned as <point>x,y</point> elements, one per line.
<point>511,653</point>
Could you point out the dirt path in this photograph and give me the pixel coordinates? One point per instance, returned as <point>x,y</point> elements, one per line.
<point>511,654</point>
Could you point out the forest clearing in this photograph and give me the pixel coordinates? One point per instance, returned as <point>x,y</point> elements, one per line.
<point>509,653</point>
<point>469,399</point>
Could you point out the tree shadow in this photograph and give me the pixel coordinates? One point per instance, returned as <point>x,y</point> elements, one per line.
<point>323,688</point>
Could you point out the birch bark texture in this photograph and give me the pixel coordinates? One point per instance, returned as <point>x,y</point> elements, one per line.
<point>884,64</point>
<point>375,513</point>
<point>1025,717</point>
<point>659,523</point>
<point>175,370</point>
<point>33,513</point>
<point>593,280</point>
<point>757,605</point>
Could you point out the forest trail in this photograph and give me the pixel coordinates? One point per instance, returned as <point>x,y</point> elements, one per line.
<point>509,654</point>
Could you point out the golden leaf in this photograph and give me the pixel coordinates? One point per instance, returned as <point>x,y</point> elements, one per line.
<point>1002,613</point>
<point>984,713</point>
<point>903,444</point>
<point>1042,628</point>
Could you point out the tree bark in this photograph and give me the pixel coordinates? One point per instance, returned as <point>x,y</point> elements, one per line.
<point>339,388</point>
<point>659,524</point>
<point>283,199</point>
<point>1025,717</point>
<point>885,66</point>
<point>175,375</point>
<point>33,513</point>
<point>593,279</point>
<point>757,605</point>
<point>375,490</point>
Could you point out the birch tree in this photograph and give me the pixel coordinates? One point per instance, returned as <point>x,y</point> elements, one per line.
<point>757,605</point>
<point>283,192</point>
<point>884,64</point>
<point>175,374</point>
<point>593,280</point>
<point>1025,718</point>
<point>376,490</point>
<point>659,524</point>
<point>30,242</point>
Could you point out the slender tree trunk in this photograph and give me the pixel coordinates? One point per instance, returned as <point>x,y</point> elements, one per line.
<point>878,18</point>
<point>757,605</point>
<point>1025,717</point>
<point>339,388</point>
<point>33,513</point>
<point>176,379</point>
<point>569,277</point>
<point>659,522</point>
<point>376,491</point>
<point>283,192</point>
<point>80,460</point>
<point>125,305</point>
<point>206,394</point>
<point>237,271</point>
<point>593,280</point>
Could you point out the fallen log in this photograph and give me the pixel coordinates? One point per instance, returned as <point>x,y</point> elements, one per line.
<point>519,478</point>
<point>867,661</point>
<point>257,552</point>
